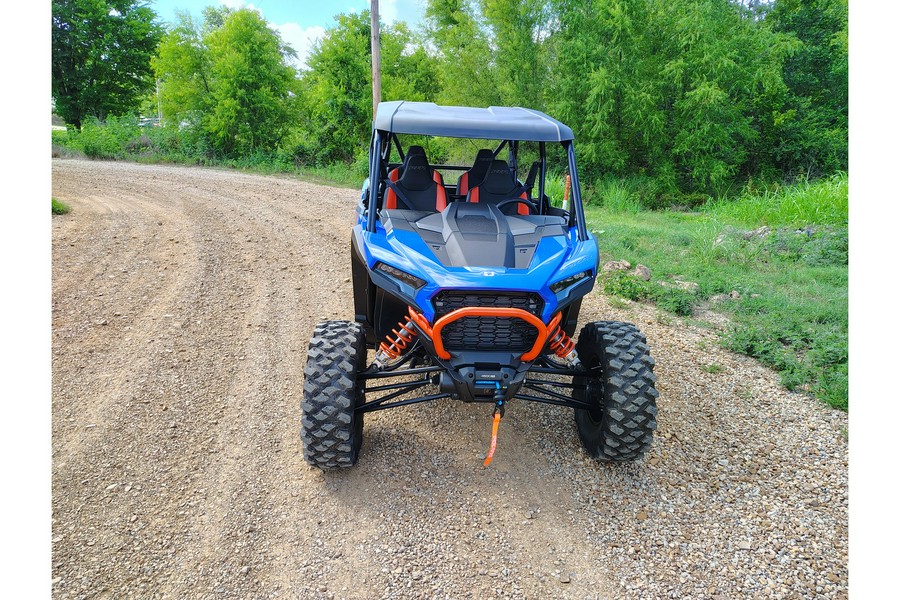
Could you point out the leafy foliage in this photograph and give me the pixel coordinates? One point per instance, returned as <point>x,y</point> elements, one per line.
<point>337,88</point>
<point>812,124</point>
<point>670,92</point>
<point>675,102</point>
<point>464,67</point>
<point>98,140</point>
<point>101,54</point>
<point>228,79</point>
<point>59,208</point>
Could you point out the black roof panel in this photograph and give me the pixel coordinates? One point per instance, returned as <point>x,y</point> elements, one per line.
<point>493,123</point>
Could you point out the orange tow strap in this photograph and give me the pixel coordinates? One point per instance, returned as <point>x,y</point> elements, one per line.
<point>496,426</point>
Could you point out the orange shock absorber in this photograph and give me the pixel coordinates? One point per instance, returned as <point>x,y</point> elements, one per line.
<point>394,347</point>
<point>561,344</point>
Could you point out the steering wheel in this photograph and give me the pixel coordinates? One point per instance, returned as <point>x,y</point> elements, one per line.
<point>532,209</point>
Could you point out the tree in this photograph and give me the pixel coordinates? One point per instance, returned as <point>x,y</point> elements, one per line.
<point>182,66</point>
<point>518,29</point>
<point>101,56</point>
<point>337,87</point>
<point>228,78</point>
<point>676,90</point>
<point>251,84</point>
<point>813,125</point>
<point>465,63</point>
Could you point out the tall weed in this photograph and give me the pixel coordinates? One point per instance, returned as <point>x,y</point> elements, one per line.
<point>823,202</point>
<point>617,198</point>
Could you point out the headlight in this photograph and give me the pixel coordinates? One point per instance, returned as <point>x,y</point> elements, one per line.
<point>570,280</point>
<point>402,276</point>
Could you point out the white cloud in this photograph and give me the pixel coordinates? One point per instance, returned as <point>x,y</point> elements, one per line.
<point>300,39</point>
<point>297,37</point>
<point>239,4</point>
<point>388,10</point>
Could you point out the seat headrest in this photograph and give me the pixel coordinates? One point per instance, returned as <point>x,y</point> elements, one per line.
<point>413,151</point>
<point>482,163</point>
<point>417,175</point>
<point>499,179</point>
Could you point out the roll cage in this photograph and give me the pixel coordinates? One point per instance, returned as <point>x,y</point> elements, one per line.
<point>511,125</point>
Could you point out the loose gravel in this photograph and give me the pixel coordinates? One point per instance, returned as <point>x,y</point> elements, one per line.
<point>183,301</point>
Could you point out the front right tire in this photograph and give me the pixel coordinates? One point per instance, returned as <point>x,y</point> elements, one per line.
<point>620,385</point>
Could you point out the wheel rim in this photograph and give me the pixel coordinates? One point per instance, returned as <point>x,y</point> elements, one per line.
<point>594,392</point>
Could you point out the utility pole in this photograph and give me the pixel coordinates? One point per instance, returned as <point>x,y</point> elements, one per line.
<point>158,105</point>
<point>376,58</point>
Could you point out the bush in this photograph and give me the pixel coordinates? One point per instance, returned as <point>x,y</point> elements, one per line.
<point>674,300</point>
<point>59,208</point>
<point>109,139</point>
<point>623,285</point>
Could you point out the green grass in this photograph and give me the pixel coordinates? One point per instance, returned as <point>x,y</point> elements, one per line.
<point>59,208</point>
<point>821,203</point>
<point>791,309</point>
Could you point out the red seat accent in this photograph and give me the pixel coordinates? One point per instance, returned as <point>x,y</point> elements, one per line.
<point>476,174</point>
<point>390,199</point>
<point>422,186</point>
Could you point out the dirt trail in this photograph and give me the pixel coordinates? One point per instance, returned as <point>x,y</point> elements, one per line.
<point>183,301</point>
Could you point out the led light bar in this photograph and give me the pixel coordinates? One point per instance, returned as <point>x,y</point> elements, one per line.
<point>568,281</point>
<point>402,276</point>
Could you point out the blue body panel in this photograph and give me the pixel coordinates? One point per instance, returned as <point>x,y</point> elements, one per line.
<point>555,258</point>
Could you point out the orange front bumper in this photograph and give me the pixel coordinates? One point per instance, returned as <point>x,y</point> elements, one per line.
<point>434,331</point>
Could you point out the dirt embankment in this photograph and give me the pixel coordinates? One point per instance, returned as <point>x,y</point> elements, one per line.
<point>183,300</point>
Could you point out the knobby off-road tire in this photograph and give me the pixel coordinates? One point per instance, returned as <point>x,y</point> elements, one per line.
<point>330,430</point>
<point>622,388</point>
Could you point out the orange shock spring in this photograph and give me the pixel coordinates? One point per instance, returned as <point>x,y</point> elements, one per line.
<point>560,342</point>
<point>394,348</point>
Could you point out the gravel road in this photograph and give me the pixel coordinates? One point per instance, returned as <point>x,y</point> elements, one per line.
<point>183,301</point>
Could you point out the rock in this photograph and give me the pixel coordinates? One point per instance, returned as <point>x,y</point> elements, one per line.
<point>732,295</point>
<point>615,265</point>
<point>688,286</point>
<point>564,578</point>
<point>641,272</point>
<point>758,233</point>
<point>642,516</point>
<point>245,570</point>
<point>744,545</point>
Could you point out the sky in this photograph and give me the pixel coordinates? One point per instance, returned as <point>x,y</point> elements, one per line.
<point>299,22</point>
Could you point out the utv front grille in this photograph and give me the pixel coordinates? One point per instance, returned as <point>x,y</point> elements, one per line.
<point>488,333</point>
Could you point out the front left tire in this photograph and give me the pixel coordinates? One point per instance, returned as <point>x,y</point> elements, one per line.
<point>331,429</point>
